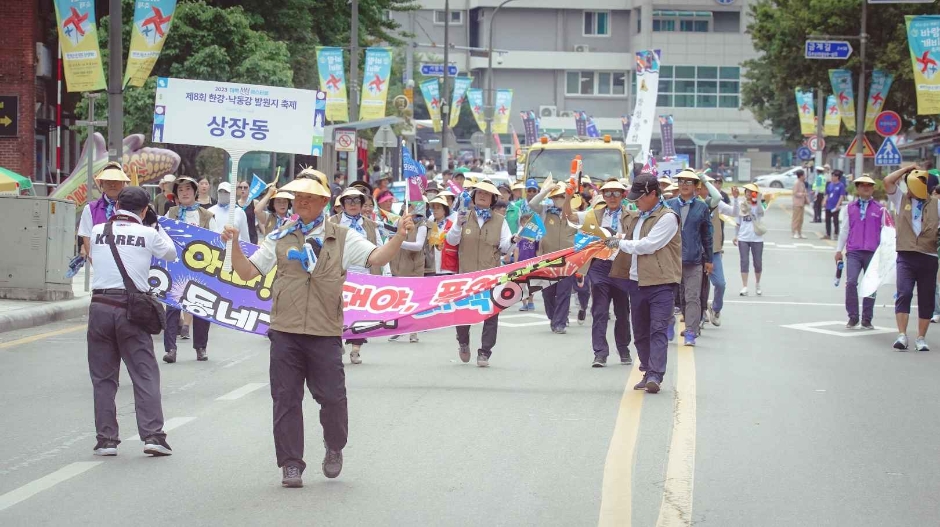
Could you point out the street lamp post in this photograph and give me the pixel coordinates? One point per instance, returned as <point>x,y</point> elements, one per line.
<point>488,107</point>
<point>445,93</point>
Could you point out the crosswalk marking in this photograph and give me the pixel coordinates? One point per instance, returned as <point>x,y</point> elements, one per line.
<point>243,391</point>
<point>46,482</point>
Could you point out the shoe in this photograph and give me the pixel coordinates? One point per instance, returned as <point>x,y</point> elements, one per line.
<point>201,354</point>
<point>170,357</point>
<point>652,386</point>
<point>290,477</point>
<point>560,331</point>
<point>795,237</point>
<point>802,237</point>
<point>934,319</point>
<point>701,326</point>
<point>531,306</point>
<point>394,338</point>
<point>599,361</point>
<point>690,340</point>
<point>482,360</point>
<point>714,317</point>
<point>524,306</point>
<point>106,448</point>
<point>852,323</point>
<point>413,338</point>
<point>332,463</point>
<point>464,352</point>
<point>901,343</point>
<point>921,344</point>
<point>758,291</point>
<point>354,357</point>
<point>184,332</point>
<point>671,331</point>
<point>743,291</point>
<point>582,314</point>
<point>825,238</point>
<point>157,447</point>
<point>866,324</point>
<point>626,361</point>
<point>642,384</point>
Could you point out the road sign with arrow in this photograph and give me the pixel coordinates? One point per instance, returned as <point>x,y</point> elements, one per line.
<point>9,115</point>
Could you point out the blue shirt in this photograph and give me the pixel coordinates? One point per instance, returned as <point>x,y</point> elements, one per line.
<point>834,191</point>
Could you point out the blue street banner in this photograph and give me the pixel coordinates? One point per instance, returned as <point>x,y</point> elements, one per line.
<point>666,135</point>
<point>431,91</point>
<point>78,35</point>
<point>880,84</point>
<point>152,20</point>
<point>923,38</point>
<point>530,123</point>
<point>806,106</point>
<point>841,81</point>
<point>377,70</point>
<point>580,123</point>
<point>461,85</point>
<point>333,81</point>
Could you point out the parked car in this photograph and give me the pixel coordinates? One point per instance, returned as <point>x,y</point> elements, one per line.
<point>783,180</point>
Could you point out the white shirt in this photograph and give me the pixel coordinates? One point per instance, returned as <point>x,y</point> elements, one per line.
<point>659,236</point>
<point>746,219</point>
<point>136,244</point>
<point>356,251</point>
<point>505,235</point>
<point>86,223</point>
<point>221,220</point>
<point>895,200</point>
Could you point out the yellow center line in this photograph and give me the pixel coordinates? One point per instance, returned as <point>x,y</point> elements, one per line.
<point>40,336</point>
<point>617,489</point>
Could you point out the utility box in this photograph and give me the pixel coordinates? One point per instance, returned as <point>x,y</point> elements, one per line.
<point>37,240</point>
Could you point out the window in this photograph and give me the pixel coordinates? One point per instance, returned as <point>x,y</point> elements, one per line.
<point>596,23</point>
<point>699,87</point>
<point>456,18</point>
<point>606,83</point>
<point>682,21</point>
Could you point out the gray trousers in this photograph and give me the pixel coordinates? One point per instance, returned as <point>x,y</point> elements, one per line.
<point>692,287</point>
<point>111,339</point>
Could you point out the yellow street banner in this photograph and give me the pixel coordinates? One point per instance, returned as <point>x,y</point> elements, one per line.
<point>501,111</point>
<point>152,19</point>
<point>923,37</point>
<point>806,107</point>
<point>78,34</point>
<point>376,73</point>
<point>832,125</point>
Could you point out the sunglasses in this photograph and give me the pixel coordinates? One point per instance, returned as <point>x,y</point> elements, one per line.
<point>613,193</point>
<point>242,187</point>
<point>347,201</point>
<point>686,182</point>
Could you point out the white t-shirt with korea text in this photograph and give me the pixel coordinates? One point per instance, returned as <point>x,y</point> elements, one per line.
<point>136,244</point>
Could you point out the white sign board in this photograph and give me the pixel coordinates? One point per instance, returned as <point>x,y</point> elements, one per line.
<point>243,117</point>
<point>345,140</point>
<point>669,169</point>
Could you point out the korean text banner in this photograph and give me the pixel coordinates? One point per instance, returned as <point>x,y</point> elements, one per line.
<point>923,38</point>
<point>152,20</point>
<point>580,123</point>
<point>375,76</point>
<point>807,109</point>
<point>832,125</point>
<point>333,82</point>
<point>880,84</point>
<point>432,99</point>
<point>666,135</point>
<point>78,34</point>
<point>475,98</point>
<point>501,111</point>
<point>239,116</point>
<point>530,123</point>
<point>625,125</point>
<point>841,81</point>
<point>372,305</point>
<point>644,114</point>
<point>461,85</point>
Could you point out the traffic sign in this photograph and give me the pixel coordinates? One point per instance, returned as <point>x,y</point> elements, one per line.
<point>815,143</point>
<point>888,123</point>
<point>888,155</point>
<point>9,115</point>
<point>436,69</point>
<point>345,140</point>
<point>867,149</point>
<point>476,139</point>
<point>400,102</point>
<point>827,49</point>
<point>385,137</point>
<point>804,153</point>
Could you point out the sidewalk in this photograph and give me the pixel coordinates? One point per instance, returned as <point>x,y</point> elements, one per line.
<point>21,314</point>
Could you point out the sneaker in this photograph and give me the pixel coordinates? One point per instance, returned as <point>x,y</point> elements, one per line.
<point>560,331</point>
<point>599,361</point>
<point>626,361</point>
<point>921,344</point>
<point>531,306</point>
<point>758,291</point>
<point>413,338</point>
<point>795,237</point>
<point>482,360</point>
<point>714,317</point>
<point>184,332</point>
<point>157,447</point>
<point>354,357</point>
<point>106,448</point>
<point>652,386</point>
<point>825,238</point>
<point>332,463</point>
<point>464,352</point>
<point>170,357</point>
<point>690,339</point>
<point>524,306</point>
<point>642,384</point>
<point>394,338</point>
<point>201,354</point>
<point>934,319</point>
<point>852,323</point>
<point>866,324</point>
<point>802,237</point>
<point>290,477</point>
<point>743,291</point>
<point>901,343</point>
<point>701,325</point>
<point>582,314</point>
<point>671,331</point>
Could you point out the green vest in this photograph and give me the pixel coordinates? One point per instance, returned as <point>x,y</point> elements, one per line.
<point>819,184</point>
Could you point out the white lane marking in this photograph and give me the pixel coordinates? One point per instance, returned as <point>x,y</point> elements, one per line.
<point>784,246</point>
<point>816,327</point>
<point>169,424</point>
<point>243,391</point>
<point>46,482</point>
<point>772,303</point>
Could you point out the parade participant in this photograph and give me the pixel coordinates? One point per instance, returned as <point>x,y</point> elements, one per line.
<point>558,235</point>
<point>204,197</point>
<point>111,180</point>
<point>604,288</point>
<point>717,276</point>
<point>191,212</point>
<point>164,200</point>
<point>819,193</point>
<point>445,254</point>
<point>650,259</point>
<point>526,248</point>
<point>273,210</point>
<point>307,321</point>
<point>381,187</point>
<point>835,195</point>
<point>459,178</point>
<point>918,217</point>
<point>518,189</point>
<point>249,208</point>
<point>410,259</point>
<point>368,209</point>
<point>221,212</point>
<point>337,206</point>
<point>697,247</point>
<point>121,252</point>
<point>512,208</point>
<point>749,236</point>
<point>481,237</point>
<point>451,198</point>
<point>385,200</point>
<point>352,201</point>
<point>861,223</point>
<point>800,199</point>
<point>432,190</point>
<point>664,183</point>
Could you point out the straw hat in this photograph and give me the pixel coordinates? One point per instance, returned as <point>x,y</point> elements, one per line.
<point>751,187</point>
<point>352,192</point>
<point>316,175</point>
<point>485,186</point>
<point>112,172</point>
<point>864,179</point>
<point>306,186</point>
<point>614,185</point>
<point>559,190</point>
<point>917,183</point>
<point>687,174</point>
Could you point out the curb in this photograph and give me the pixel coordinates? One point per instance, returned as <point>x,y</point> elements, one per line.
<point>36,316</point>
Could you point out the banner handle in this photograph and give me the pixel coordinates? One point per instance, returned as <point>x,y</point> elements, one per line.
<point>236,156</point>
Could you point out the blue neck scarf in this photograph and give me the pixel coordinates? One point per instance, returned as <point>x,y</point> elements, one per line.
<point>109,211</point>
<point>483,214</point>
<point>684,203</point>
<point>647,214</point>
<point>354,222</point>
<point>307,228</point>
<point>863,206</point>
<point>553,210</point>
<point>181,216</point>
<point>614,219</point>
<point>918,209</point>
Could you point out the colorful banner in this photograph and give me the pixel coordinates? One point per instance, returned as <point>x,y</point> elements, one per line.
<point>592,129</point>
<point>666,136</point>
<point>841,81</point>
<point>475,98</point>
<point>880,85</point>
<point>832,125</point>
<point>373,306</point>
<point>647,90</point>
<point>333,81</point>
<point>461,85</point>
<point>257,187</point>
<point>78,35</point>
<point>516,147</point>
<point>530,123</point>
<point>923,38</point>
<point>152,20</point>
<point>580,123</point>
<point>375,77</point>
<point>624,125</point>
<point>415,174</point>
<point>431,91</point>
<point>806,107</point>
<point>501,111</point>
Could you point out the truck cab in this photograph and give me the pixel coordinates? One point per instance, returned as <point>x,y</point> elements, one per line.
<point>601,159</point>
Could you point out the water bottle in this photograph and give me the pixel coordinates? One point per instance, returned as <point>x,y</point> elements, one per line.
<point>839,267</point>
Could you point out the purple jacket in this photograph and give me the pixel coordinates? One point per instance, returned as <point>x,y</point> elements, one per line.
<point>864,233</point>
<point>99,210</point>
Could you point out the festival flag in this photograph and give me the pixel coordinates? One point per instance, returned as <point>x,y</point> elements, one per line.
<point>415,174</point>
<point>475,98</point>
<point>333,81</point>
<point>647,90</point>
<point>832,125</point>
<point>666,136</point>
<point>78,35</point>
<point>580,123</point>
<point>880,85</point>
<point>461,85</point>
<point>499,143</point>
<point>375,75</point>
<point>256,188</point>
<point>625,125</point>
<point>516,147</point>
<point>534,229</point>
<point>592,130</point>
<point>841,81</point>
<point>501,111</point>
<point>530,123</point>
<point>806,107</point>
<point>432,99</point>
<point>923,38</point>
<point>152,20</point>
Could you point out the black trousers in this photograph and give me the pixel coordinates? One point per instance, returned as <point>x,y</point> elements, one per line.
<point>487,339</point>
<point>200,330</point>
<point>832,216</point>
<point>817,206</point>
<point>317,361</point>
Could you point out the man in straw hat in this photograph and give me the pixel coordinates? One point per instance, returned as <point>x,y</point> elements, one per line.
<point>859,238</point>
<point>559,234</point>
<point>111,180</point>
<point>312,256</point>
<point>918,218</point>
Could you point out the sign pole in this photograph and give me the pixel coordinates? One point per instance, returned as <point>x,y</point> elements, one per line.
<point>352,157</point>
<point>90,156</point>
<point>860,97</point>
<point>235,156</point>
<point>821,116</point>
<point>115,84</point>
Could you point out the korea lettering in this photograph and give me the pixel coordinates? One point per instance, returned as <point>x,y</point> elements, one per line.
<point>923,38</point>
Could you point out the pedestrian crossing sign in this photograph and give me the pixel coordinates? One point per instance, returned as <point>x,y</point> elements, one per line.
<point>888,155</point>
<point>867,150</point>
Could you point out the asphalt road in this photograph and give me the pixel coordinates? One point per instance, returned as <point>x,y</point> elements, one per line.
<point>760,424</point>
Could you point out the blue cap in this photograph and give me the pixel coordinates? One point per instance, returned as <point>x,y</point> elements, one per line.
<point>531,183</point>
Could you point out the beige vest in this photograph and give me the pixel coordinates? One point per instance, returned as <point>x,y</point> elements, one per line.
<point>927,241</point>
<point>204,215</point>
<point>370,227</point>
<point>310,304</point>
<point>663,266</point>
<point>558,235</point>
<point>718,237</point>
<point>409,263</point>
<point>479,248</point>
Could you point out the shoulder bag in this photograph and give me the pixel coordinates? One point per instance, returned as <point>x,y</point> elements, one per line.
<point>143,309</point>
